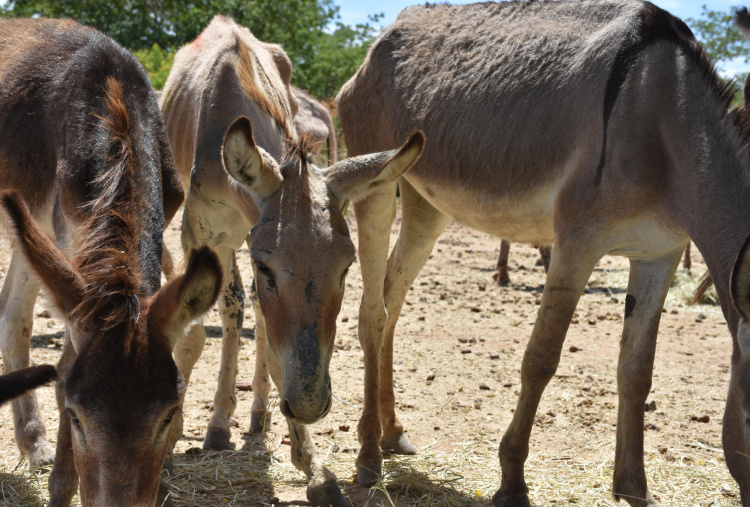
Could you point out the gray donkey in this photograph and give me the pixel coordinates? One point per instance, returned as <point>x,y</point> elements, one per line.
<point>596,125</point>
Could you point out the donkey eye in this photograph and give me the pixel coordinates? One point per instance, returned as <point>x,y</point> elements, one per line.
<point>76,422</point>
<point>168,419</point>
<point>265,271</point>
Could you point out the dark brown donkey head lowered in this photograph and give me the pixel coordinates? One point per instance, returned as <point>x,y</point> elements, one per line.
<point>110,170</point>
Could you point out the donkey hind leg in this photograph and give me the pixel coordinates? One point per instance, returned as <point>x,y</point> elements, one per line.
<point>647,289</point>
<point>688,262</point>
<point>260,416</point>
<point>375,214</point>
<point>501,277</point>
<point>231,311</point>
<point>322,488</point>
<point>17,299</point>
<point>63,480</point>
<point>545,253</point>
<point>421,226</point>
<point>567,278</point>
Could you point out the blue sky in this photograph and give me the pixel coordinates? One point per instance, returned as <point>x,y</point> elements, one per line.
<point>356,11</point>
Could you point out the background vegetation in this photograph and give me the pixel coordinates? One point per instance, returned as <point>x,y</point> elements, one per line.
<point>325,52</point>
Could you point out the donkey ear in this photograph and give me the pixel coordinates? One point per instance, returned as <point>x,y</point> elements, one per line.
<point>16,383</point>
<point>249,164</point>
<point>62,281</point>
<point>186,298</point>
<point>353,178</point>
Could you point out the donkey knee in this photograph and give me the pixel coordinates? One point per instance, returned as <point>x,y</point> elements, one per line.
<point>634,381</point>
<point>538,368</point>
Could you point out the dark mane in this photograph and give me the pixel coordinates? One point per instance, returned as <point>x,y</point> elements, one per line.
<point>653,25</point>
<point>108,254</point>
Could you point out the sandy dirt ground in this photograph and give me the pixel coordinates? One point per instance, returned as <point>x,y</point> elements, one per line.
<point>458,351</point>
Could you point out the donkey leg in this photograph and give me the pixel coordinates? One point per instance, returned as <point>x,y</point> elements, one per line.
<point>545,252</point>
<point>322,488</point>
<point>501,277</point>
<point>17,299</point>
<point>567,277</point>
<point>647,289</point>
<point>232,312</point>
<point>421,225</point>
<point>63,481</point>
<point>687,263</point>
<point>375,214</point>
<point>260,416</point>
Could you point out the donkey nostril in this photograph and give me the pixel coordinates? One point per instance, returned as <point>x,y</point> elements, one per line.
<point>286,410</point>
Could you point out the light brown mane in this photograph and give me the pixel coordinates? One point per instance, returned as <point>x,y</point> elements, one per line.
<point>256,85</point>
<point>108,244</point>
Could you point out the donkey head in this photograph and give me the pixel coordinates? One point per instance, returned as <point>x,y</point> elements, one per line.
<point>301,251</point>
<point>121,386</point>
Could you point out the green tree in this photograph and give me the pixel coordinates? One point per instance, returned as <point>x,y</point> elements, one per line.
<point>719,37</point>
<point>300,26</point>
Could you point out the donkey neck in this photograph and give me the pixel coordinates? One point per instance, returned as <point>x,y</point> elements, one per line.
<point>714,202</point>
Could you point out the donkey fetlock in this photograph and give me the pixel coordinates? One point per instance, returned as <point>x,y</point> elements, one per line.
<point>260,422</point>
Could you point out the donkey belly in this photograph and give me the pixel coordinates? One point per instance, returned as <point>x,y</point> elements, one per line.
<point>523,218</point>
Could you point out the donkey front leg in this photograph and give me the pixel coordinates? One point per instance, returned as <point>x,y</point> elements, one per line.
<point>17,299</point>
<point>647,289</point>
<point>322,488</point>
<point>569,271</point>
<point>421,226</point>
<point>260,416</point>
<point>375,214</point>
<point>232,312</point>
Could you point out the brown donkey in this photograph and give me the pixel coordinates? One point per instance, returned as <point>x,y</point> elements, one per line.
<point>596,125</point>
<point>228,107</point>
<point>84,146</point>
<point>313,119</point>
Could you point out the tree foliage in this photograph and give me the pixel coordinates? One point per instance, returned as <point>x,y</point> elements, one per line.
<point>323,58</point>
<point>719,37</point>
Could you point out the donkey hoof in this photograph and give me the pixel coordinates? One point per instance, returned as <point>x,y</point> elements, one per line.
<point>326,494</point>
<point>42,456</point>
<point>502,279</point>
<point>510,501</point>
<point>398,445</point>
<point>217,439</point>
<point>260,422</point>
<point>163,498</point>
<point>368,476</point>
